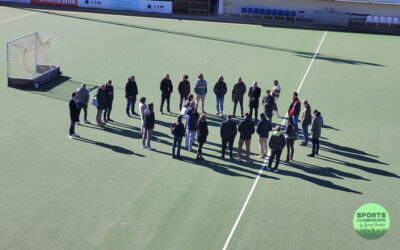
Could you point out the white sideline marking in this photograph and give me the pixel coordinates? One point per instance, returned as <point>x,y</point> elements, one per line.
<point>265,161</point>
<point>18,17</point>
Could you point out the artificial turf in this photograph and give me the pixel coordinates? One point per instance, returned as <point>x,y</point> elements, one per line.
<point>104,191</point>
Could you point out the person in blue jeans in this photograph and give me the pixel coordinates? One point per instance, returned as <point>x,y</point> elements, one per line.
<point>178,130</point>
<point>305,117</point>
<point>191,119</point>
<point>220,91</point>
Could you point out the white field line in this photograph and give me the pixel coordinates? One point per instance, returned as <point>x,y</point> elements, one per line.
<point>265,161</point>
<point>15,18</point>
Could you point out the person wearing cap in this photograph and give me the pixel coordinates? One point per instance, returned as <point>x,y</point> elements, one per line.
<point>305,118</point>
<point>200,88</point>
<point>263,128</point>
<point>276,91</point>
<point>83,99</point>
<point>316,126</point>
<point>276,143</point>
<point>246,130</point>
<point>220,91</point>
<point>178,130</point>
<point>268,102</point>
<point>166,90</point>
<point>238,91</point>
<point>228,133</point>
<point>254,99</point>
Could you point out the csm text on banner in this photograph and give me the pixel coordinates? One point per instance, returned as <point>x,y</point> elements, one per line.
<point>134,5</point>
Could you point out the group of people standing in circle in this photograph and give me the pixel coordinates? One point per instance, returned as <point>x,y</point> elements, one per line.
<point>195,125</point>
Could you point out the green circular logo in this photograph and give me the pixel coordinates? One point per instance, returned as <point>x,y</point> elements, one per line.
<point>371,221</point>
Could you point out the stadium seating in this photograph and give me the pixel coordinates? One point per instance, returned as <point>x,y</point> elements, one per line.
<point>388,20</point>
<point>375,20</point>
<point>243,11</point>
<point>257,12</point>
<point>382,21</point>
<point>250,11</point>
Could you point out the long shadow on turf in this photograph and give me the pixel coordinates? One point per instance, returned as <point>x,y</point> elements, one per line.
<point>319,182</point>
<point>116,130</point>
<point>222,168</point>
<point>322,171</point>
<point>137,129</point>
<point>349,152</point>
<point>261,46</point>
<point>363,168</point>
<point>114,148</point>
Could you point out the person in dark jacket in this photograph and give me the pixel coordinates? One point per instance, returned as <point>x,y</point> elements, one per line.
<point>101,101</point>
<point>109,100</point>
<point>73,114</point>
<point>131,92</point>
<point>316,126</point>
<point>178,130</point>
<point>246,130</point>
<point>291,136</point>
<point>202,133</point>
<point>268,102</point>
<point>191,118</point>
<point>254,100</point>
<point>263,128</point>
<point>184,90</point>
<point>220,91</point>
<point>83,99</point>
<point>305,117</point>
<point>166,90</point>
<point>238,91</point>
<point>148,126</point>
<point>276,143</point>
<point>228,133</point>
<point>294,110</point>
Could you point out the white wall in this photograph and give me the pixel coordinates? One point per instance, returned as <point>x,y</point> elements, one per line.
<point>310,5</point>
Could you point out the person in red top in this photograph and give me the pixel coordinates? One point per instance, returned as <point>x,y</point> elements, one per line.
<point>294,110</point>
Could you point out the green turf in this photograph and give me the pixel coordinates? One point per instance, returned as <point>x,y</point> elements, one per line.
<point>106,192</point>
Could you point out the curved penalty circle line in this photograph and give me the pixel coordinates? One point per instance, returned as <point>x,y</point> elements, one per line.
<point>265,161</point>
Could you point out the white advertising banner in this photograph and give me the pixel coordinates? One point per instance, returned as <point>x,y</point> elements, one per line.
<point>156,6</point>
<point>135,5</point>
<point>16,1</point>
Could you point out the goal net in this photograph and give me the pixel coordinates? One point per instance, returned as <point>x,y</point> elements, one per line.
<point>33,59</point>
